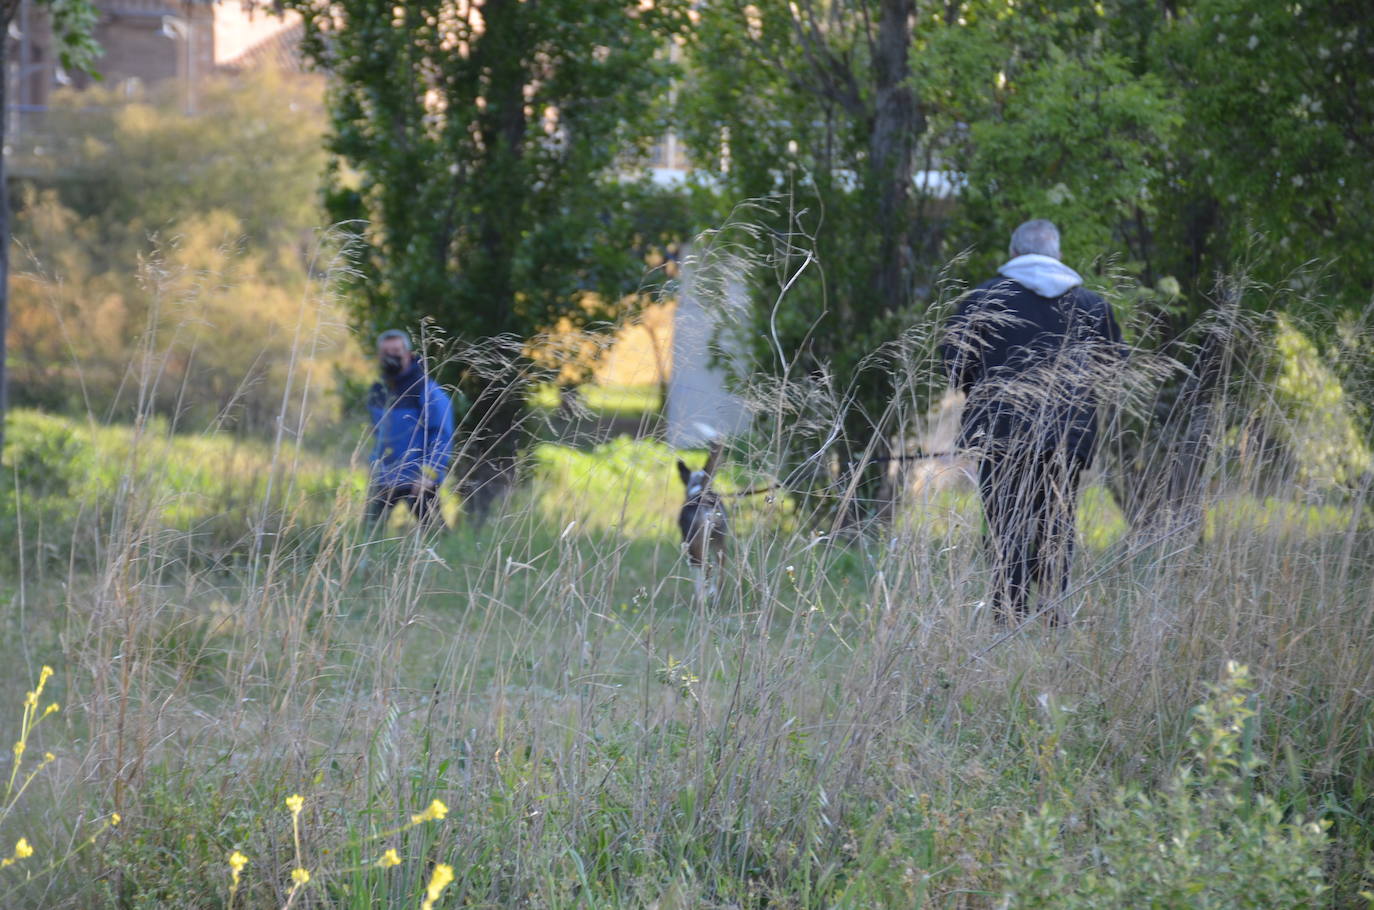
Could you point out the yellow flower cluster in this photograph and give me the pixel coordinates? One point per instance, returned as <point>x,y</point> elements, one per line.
<point>436,811</point>
<point>441,878</point>
<point>22,850</point>
<point>30,719</point>
<point>443,875</point>
<point>299,875</point>
<point>236,863</point>
<point>18,784</point>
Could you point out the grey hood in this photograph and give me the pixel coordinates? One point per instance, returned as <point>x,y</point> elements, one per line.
<point>1044,275</point>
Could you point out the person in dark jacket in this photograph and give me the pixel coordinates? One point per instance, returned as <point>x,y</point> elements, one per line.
<point>1030,349</point>
<point>412,422</point>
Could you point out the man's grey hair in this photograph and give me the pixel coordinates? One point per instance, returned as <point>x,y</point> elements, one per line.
<point>1038,236</point>
<point>394,333</point>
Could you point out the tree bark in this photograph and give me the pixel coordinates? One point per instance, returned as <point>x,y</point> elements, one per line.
<point>7,10</point>
<point>896,124</point>
<point>487,458</point>
<point>1194,436</point>
<point>1162,477</point>
<point>498,386</point>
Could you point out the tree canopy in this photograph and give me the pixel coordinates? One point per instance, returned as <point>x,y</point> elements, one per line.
<point>1172,143</point>
<point>483,151</point>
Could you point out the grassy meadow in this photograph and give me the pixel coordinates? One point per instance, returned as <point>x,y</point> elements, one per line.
<point>842,726</point>
<point>218,691</point>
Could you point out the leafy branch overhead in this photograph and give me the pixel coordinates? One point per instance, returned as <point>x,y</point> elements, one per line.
<point>483,152</point>
<point>74,23</point>
<point>484,147</point>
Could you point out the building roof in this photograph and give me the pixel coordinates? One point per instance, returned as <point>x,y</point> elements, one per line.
<point>280,50</point>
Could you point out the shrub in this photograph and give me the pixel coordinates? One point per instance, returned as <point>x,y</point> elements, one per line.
<point>1208,840</point>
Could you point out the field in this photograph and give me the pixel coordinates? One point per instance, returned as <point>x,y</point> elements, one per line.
<point>220,691</point>
<point>841,727</point>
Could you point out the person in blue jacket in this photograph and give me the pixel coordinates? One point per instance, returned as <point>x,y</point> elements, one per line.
<point>1032,349</point>
<point>412,422</point>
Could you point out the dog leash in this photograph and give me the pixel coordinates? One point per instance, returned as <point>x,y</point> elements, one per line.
<point>752,491</point>
<point>912,456</point>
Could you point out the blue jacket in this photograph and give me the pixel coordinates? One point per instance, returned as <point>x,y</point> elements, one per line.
<point>412,420</point>
<point>1032,360</point>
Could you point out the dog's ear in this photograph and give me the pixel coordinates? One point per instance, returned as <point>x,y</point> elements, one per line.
<point>684,472</point>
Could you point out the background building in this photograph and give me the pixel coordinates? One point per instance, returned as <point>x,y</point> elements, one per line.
<point>143,43</point>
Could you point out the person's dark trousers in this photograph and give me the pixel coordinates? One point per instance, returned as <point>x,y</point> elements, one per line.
<point>424,505</point>
<point>1029,499</point>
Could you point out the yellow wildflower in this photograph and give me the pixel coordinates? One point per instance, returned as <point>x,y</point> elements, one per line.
<point>443,875</point>
<point>115,819</point>
<point>436,811</point>
<point>48,757</point>
<point>295,802</point>
<point>389,858</point>
<point>31,700</point>
<point>236,863</point>
<point>43,676</point>
<point>52,709</point>
<point>300,876</point>
<point>22,850</point>
<point>19,749</point>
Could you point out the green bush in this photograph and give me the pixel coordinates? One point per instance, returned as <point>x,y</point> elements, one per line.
<point>46,456</point>
<point>172,853</point>
<point>1208,840</point>
<point>71,478</point>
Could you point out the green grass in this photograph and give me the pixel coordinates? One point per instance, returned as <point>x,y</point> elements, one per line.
<point>193,474</point>
<point>836,729</point>
<point>604,400</point>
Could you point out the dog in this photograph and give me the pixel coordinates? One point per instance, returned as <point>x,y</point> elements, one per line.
<point>703,520</point>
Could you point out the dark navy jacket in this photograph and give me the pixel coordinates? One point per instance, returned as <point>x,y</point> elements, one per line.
<point>412,419</point>
<point>1031,367</point>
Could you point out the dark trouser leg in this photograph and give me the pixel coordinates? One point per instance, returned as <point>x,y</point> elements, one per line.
<point>424,505</point>
<point>1009,494</point>
<point>380,501</point>
<point>1058,527</point>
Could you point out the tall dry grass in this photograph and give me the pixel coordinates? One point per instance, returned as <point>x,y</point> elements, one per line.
<point>840,726</point>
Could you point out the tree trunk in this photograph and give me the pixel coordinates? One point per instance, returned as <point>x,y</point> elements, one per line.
<point>1161,479</point>
<point>1194,436</point>
<point>6,14</point>
<point>896,124</point>
<point>498,382</point>
<point>492,434</point>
